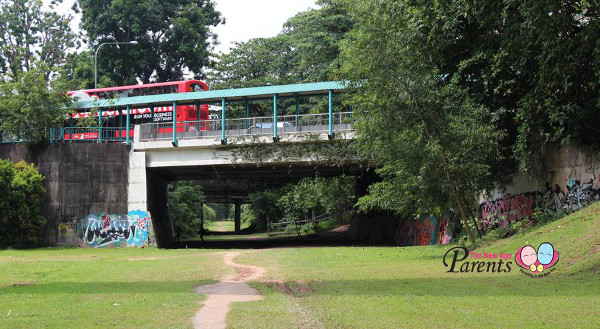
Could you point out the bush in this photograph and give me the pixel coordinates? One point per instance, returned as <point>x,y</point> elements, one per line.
<point>21,196</point>
<point>544,215</point>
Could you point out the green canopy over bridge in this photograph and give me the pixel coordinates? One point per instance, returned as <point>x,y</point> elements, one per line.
<point>212,96</point>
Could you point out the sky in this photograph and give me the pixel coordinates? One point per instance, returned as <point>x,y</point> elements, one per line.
<point>245,19</point>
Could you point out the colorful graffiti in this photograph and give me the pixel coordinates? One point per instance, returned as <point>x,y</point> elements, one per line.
<point>510,208</point>
<point>425,231</point>
<point>131,230</point>
<point>513,208</point>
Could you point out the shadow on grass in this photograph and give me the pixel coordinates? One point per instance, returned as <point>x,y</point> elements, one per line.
<point>453,285</point>
<point>83,288</point>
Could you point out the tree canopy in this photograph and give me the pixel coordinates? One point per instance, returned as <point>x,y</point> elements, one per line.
<point>533,63</point>
<point>30,35</point>
<point>435,144</point>
<point>173,37</point>
<point>185,205</point>
<point>30,106</point>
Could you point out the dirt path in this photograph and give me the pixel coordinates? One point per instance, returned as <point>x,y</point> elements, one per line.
<point>232,288</point>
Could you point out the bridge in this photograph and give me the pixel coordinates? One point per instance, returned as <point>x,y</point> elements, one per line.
<point>208,151</point>
<point>211,152</point>
<point>222,127</point>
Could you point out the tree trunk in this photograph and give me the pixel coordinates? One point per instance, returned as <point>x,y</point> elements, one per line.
<point>459,203</point>
<point>462,214</point>
<point>477,227</point>
<point>445,164</point>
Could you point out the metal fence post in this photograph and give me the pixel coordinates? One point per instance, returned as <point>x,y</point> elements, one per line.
<point>223,124</point>
<point>175,142</point>
<point>152,109</point>
<point>330,114</point>
<point>127,137</point>
<point>297,109</point>
<point>275,135</point>
<point>247,110</point>
<point>198,115</point>
<point>99,125</point>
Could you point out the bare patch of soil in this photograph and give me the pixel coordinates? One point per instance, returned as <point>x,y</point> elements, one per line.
<point>142,258</point>
<point>23,284</point>
<point>232,288</point>
<point>294,289</point>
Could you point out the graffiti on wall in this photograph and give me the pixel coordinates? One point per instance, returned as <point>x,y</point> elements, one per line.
<point>513,208</point>
<point>108,230</point>
<point>427,230</point>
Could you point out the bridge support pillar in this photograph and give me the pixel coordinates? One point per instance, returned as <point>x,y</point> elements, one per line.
<point>137,198</point>
<point>238,217</point>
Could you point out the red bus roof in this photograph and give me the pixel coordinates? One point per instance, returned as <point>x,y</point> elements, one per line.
<point>148,85</point>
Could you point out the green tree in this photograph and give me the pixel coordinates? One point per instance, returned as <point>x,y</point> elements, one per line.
<point>78,71</point>
<point>22,193</point>
<point>30,106</point>
<point>317,196</point>
<point>173,36</point>
<point>533,63</point>
<point>316,35</point>
<point>265,208</point>
<point>184,201</point>
<point>257,62</point>
<point>435,144</point>
<point>29,34</point>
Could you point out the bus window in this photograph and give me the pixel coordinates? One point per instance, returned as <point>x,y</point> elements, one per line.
<point>196,87</point>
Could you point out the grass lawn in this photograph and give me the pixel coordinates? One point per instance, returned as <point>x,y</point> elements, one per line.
<point>222,226</point>
<point>229,237</point>
<point>409,287</point>
<point>346,287</point>
<point>104,288</point>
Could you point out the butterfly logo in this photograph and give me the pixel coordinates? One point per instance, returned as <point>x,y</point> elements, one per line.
<point>537,261</point>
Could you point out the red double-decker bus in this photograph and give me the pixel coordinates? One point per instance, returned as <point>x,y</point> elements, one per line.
<point>117,118</point>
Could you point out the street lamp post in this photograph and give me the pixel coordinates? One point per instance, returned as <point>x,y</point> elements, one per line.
<point>96,57</point>
<point>96,85</point>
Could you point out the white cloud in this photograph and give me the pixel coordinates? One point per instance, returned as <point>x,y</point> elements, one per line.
<point>255,19</point>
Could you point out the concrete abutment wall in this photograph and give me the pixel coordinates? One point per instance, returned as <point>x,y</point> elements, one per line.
<point>80,179</point>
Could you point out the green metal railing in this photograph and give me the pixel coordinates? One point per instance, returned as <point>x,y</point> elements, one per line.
<point>76,134</point>
<point>256,126</point>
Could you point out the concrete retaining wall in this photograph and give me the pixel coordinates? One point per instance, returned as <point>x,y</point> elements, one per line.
<point>571,180</point>
<point>80,179</point>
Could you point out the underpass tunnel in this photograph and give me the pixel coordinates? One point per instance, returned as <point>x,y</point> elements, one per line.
<point>228,185</point>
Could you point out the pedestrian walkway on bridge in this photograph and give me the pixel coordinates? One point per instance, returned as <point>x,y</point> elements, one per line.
<point>223,127</point>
